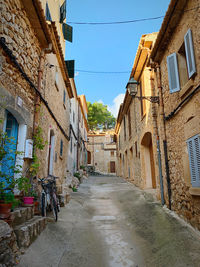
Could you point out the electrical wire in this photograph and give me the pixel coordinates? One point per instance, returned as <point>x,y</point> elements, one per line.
<point>129,21</point>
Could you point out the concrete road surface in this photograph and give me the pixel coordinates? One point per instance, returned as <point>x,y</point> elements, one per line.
<point>111,223</point>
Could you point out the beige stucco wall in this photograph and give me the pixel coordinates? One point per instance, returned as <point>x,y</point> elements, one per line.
<point>101,146</point>
<point>185,123</point>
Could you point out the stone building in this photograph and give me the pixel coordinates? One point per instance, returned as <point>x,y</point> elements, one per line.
<point>176,61</point>
<point>35,86</point>
<point>74,126</point>
<point>102,151</point>
<point>136,127</point>
<point>82,131</point>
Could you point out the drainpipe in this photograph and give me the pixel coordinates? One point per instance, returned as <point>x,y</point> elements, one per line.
<point>155,126</point>
<point>164,133</point>
<point>37,98</point>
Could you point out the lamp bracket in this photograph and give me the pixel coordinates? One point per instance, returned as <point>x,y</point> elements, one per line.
<point>152,99</point>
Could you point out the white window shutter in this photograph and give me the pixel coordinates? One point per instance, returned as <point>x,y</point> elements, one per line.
<point>189,50</point>
<point>194,158</point>
<point>173,75</point>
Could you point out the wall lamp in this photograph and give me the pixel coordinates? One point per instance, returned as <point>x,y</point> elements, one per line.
<point>132,89</point>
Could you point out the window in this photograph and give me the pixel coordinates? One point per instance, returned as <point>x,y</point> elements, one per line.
<point>73,116</point>
<point>119,142</point>
<point>61,148</point>
<point>63,12</point>
<point>124,128</point>
<point>181,65</point>
<point>67,33</point>
<point>48,14</point>
<point>112,153</point>
<point>129,123</point>
<point>136,152</point>
<point>71,145</point>
<point>193,145</point>
<point>189,53</point>
<point>64,97</point>
<point>142,101</point>
<point>56,79</point>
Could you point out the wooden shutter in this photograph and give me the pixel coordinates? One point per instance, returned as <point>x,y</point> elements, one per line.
<point>194,158</point>
<point>61,148</point>
<point>63,12</point>
<point>189,50</point>
<point>67,32</point>
<point>64,96</point>
<point>173,76</point>
<point>70,67</point>
<point>47,13</point>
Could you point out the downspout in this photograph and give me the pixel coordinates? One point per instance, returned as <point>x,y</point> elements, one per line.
<point>155,126</point>
<point>164,133</point>
<point>37,98</point>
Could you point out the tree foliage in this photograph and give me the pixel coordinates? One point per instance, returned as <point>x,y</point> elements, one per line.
<point>99,117</point>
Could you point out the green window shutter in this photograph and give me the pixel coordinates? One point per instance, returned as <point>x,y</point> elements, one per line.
<point>47,13</point>
<point>173,75</point>
<point>189,50</point>
<point>63,12</point>
<point>61,148</point>
<point>67,32</point>
<point>70,67</point>
<point>64,96</point>
<point>194,157</point>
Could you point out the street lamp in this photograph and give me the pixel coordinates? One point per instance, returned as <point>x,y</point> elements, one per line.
<point>132,89</point>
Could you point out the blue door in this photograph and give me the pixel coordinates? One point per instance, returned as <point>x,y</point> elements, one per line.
<point>8,162</point>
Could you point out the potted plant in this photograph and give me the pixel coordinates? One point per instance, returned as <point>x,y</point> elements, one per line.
<point>24,185</point>
<point>7,202</point>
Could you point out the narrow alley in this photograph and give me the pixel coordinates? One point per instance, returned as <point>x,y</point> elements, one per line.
<point>110,222</point>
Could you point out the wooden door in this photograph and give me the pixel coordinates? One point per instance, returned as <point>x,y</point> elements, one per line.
<point>112,166</point>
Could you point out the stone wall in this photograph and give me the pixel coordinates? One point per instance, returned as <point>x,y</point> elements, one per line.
<point>103,151</point>
<point>185,123</point>
<point>133,151</point>
<point>21,39</point>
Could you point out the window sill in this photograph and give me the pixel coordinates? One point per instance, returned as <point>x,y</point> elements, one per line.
<point>186,88</point>
<point>64,106</point>
<point>61,157</point>
<point>194,191</point>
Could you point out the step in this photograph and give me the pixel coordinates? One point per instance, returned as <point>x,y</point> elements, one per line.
<point>21,215</point>
<point>8,245</point>
<point>28,231</point>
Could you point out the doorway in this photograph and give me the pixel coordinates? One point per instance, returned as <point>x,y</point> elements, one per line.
<point>112,166</point>
<point>148,161</point>
<point>10,145</point>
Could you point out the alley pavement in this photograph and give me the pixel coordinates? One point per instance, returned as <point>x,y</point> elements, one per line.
<point>112,223</point>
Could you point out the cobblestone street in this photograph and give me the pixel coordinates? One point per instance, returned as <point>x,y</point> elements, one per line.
<point>109,222</point>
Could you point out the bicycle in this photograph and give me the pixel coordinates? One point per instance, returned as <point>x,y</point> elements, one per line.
<point>49,200</point>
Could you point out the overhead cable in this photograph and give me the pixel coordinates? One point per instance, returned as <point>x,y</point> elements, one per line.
<point>129,21</point>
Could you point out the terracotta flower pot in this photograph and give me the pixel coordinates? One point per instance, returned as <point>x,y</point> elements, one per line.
<point>28,200</point>
<point>5,210</point>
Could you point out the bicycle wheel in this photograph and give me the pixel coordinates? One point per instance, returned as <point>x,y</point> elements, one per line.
<point>54,209</point>
<point>43,206</point>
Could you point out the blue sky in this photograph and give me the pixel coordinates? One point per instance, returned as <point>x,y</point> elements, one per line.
<point>108,47</point>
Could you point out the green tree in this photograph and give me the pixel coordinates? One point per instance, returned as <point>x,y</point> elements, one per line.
<point>99,117</point>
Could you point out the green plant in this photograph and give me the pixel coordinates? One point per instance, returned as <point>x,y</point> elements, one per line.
<point>38,144</point>
<point>74,189</point>
<point>82,167</point>
<point>77,175</point>
<point>9,198</point>
<point>24,185</point>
